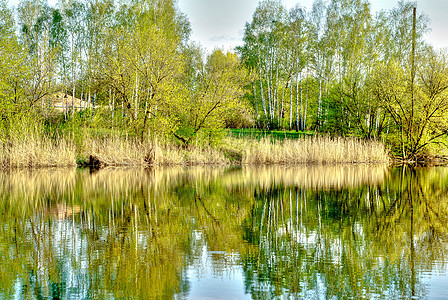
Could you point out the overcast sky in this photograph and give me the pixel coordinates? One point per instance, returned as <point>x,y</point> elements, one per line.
<point>220,24</point>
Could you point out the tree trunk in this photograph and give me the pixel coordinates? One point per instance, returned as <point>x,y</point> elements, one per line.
<point>290,104</point>
<point>276,102</point>
<point>81,103</point>
<point>90,100</point>
<point>306,107</point>
<point>319,103</point>
<point>269,95</point>
<point>263,101</point>
<point>256,104</point>
<point>299,121</point>
<point>94,100</point>
<point>136,97</point>
<point>113,108</point>
<point>73,80</point>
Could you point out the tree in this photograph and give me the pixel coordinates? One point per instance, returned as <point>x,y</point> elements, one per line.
<point>419,110</point>
<point>216,87</point>
<point>14,67</point>
<point>297,39</point>
<point>414,93</point>
<point>264,54</point>
<point>74,13</point>
<point>351,110</point>
<point>142,63</point>
<point>35,18</point>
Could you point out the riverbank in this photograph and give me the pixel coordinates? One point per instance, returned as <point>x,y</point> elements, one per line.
<point>41,151</point>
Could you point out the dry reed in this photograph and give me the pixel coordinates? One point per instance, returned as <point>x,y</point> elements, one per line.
<point>117,151</point>
<point>35,149</point>
<point>320,150</point>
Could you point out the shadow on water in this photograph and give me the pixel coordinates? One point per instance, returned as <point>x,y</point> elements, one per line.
<point>266,232</point>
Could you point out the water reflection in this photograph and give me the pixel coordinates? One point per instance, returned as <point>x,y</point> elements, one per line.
<point>370,241</point>
<point>220,233</point>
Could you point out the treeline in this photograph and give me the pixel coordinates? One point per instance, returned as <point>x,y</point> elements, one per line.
<point>130,60</point>
<point>342,69</point>
<point>336,69</point>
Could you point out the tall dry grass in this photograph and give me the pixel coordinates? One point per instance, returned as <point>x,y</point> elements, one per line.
<point>30,146</point>
<point>319,149</point>
<point>42,151</point>
<point>116,151</point>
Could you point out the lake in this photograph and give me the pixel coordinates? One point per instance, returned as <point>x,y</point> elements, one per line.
<point>317,232</point>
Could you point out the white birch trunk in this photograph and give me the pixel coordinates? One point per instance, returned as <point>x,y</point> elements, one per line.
<point>90,100</point>
<point>276,102</point>
<point>263,103</point>
<point>319,103</point>
<point>81,104</point>
<point>255,101</point>
<point>299,122</point>
<point>110,99</point>
<point>302,125</point>
<point>73,100</point>
<point>113,107</point>
<point>269,95</point>
<point>136,97</point>
<point>306,108</point>
<point>290,103</point>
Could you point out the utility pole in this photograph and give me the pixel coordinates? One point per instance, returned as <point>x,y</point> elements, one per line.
<point>411,119</point>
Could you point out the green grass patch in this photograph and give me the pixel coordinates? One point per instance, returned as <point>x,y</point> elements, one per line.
<point>274,134</point>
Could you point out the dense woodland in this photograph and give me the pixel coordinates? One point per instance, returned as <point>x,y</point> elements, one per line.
<point>340,69</point>
<point>336,69</point>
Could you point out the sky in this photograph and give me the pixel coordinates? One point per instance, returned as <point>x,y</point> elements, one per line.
<point>220,23</point>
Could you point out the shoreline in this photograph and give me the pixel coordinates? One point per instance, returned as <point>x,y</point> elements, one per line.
<point>86,165</point>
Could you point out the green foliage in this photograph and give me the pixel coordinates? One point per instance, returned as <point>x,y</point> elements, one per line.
<point>260,134</point>
<point>13,66</point>
<point>418,109</point>
<point>215,87</point>
<point>335,69</point>
<point>321,70</point>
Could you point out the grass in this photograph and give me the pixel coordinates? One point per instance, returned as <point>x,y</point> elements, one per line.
<point>35,148</point>
<point>310,150</point>
<point>116,151</point>
<point>29,146</point>
<point>275,134</point>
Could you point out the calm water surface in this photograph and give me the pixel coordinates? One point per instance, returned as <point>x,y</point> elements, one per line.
<point>225,233</point>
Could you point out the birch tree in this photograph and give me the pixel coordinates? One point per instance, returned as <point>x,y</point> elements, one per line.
<point>13,65</point>
<point>35,21</point>
<point>264,52</point>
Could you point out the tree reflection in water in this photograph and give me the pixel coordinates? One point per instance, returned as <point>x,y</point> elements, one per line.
<point>372,241</point>
<point>312,232</point>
